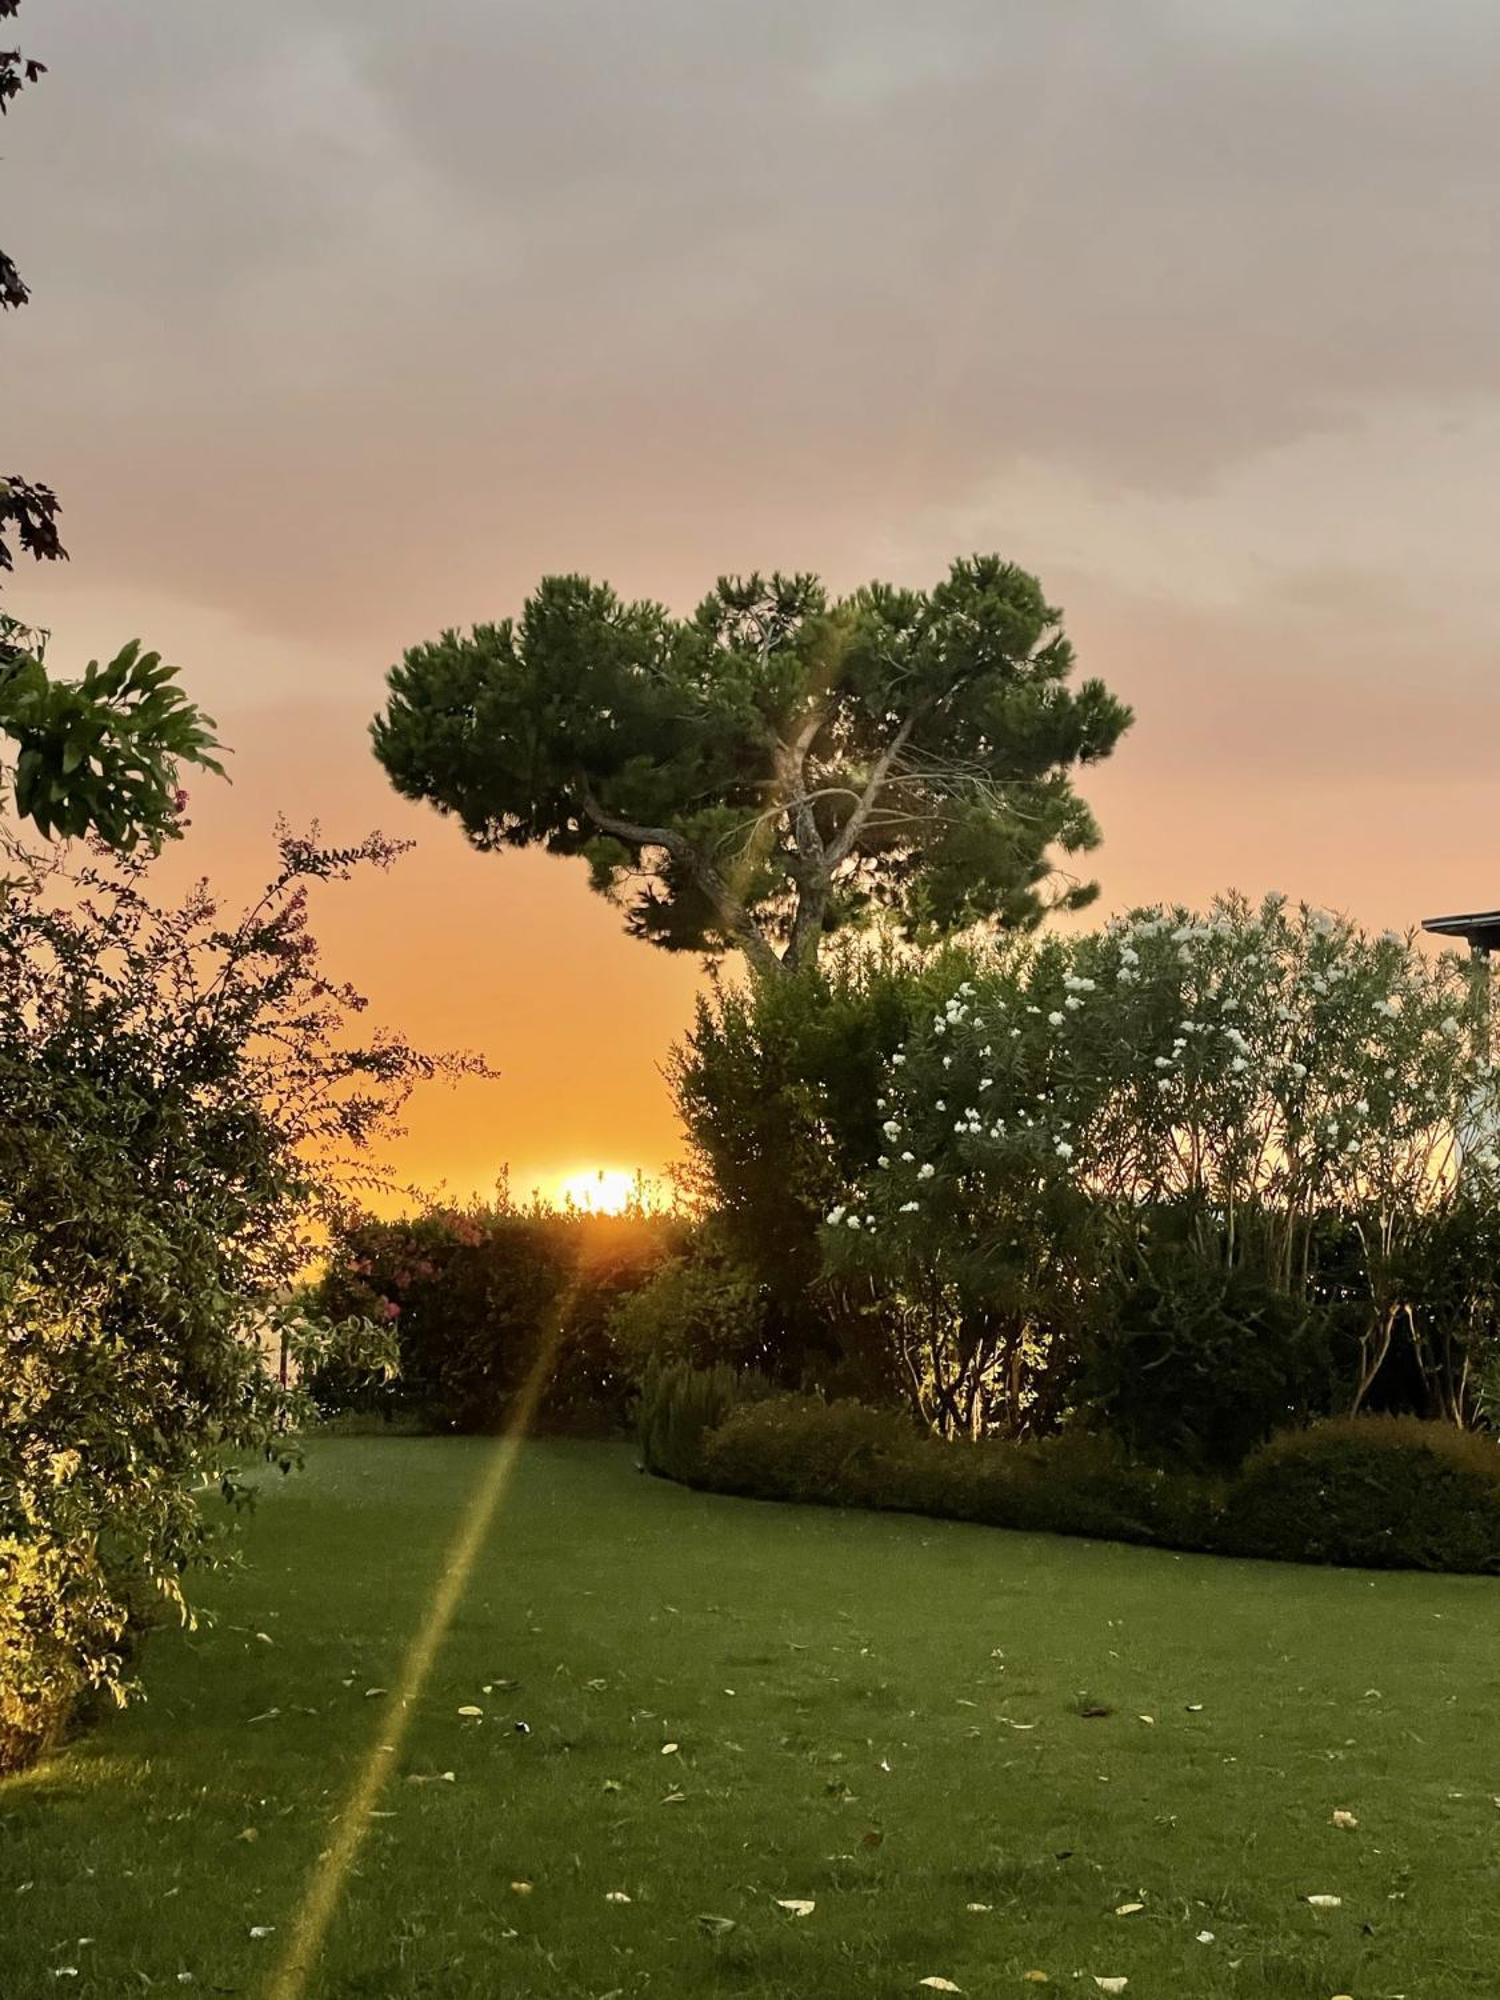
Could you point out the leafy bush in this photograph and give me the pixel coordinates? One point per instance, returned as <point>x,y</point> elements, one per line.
<point>1374,1492</point>
<point>1194,1363</point>
<point>487,1302</point>
<point>846,1454</point>
<point>777,1086</point>
<point>680,1405</point>
<point>702,1306</point>
<point>172,1092</point>
<point>801,1448</point>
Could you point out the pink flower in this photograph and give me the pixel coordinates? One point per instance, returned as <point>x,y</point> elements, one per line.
<point>392,1310</point>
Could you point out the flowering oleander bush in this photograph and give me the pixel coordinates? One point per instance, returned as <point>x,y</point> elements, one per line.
<point>1267,1091</point>
<point>180,1101</point>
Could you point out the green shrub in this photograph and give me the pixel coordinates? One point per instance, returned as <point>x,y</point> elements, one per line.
<point>847,1454</point>
<point>1074,1484</point>
<point>1263,1091</point>
<point>174,1089</point>
<point>1196,1364</point>
<point>679,1405</point>
<point>801,1448</point>
<point>1373,1492</point>
<point>701,1306</point>
<point>777,1085</point>
<point>1382,1492</point>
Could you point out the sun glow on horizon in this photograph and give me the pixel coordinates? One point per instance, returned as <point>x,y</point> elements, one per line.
<point>601,1190</point>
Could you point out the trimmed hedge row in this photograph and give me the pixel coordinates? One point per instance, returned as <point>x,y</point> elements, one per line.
<point>1370,1492</point>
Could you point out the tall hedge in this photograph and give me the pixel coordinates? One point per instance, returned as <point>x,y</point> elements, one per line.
<point>488,1302</point>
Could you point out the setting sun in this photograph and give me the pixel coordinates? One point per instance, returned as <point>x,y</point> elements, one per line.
<point>601,1191</point>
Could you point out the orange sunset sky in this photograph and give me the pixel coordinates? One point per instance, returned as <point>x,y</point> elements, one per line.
<point>352,318</point>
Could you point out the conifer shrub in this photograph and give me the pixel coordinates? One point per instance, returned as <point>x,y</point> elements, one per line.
<point>678,1407</point>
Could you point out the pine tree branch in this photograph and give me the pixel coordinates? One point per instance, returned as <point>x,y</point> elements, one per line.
<point>843,845</point>
<point>731,911</point>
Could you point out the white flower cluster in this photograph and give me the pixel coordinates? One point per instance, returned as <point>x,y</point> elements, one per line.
<point>1293,1046</point>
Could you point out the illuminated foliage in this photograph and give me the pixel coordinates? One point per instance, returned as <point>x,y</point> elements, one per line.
<point>180,1101</point>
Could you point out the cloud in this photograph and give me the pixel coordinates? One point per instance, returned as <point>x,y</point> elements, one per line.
<point>351,316</point>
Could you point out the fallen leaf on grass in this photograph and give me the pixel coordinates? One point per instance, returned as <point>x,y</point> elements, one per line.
<point>939,1985</point>
<point>979,1909</point>
<point>1036,1978</point>
<point>1151,1719</point>
<point>1342,1818</point>
<point>872,1837</point>
<point>522,1888</point>
<point>261,1930</point>
<point>1326,1902</point>
<point>674,1798</point>
<point>615,1896</point>
<point>1116,1985</point>
<point>430,1778</point>
<point>716,1926</point>
<point>1128,1909</point>
<point>250,1833</point>
<point>670,1749</point>
<point>795,1906</point>
<point>1205,1937</point>
<point>469,1708</point>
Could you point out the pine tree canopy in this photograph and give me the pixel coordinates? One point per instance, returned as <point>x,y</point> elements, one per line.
<point>779,765</point>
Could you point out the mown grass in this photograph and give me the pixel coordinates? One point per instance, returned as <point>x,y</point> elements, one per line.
<point>882,1715</point>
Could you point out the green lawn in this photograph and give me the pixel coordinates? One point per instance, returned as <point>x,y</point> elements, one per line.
<point>878,1715</point>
